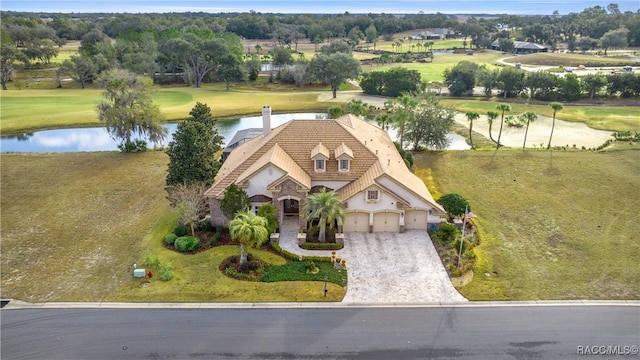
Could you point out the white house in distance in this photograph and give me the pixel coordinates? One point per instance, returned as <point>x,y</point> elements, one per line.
<point>348,155</point>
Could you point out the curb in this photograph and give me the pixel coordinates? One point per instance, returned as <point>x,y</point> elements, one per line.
<point>17,305</point>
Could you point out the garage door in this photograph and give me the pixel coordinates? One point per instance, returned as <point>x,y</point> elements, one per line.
<point>386,222</point>
<point>356,222</point>
<point>415,220</point>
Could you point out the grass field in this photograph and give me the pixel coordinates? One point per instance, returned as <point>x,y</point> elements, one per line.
<point>554,225</point>
<point>433,71</point>
<point>76,107</point>
<point>555,59</point>
<point>74,224</point>
<point>613,118</point>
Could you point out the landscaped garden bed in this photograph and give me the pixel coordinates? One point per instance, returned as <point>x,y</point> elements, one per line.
<point>447,241</point>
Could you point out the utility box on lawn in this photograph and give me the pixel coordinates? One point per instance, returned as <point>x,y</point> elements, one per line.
<point>139,273</point>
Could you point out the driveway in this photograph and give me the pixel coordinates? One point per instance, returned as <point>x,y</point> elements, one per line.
<point>386,267</point>
<point>395,268</point>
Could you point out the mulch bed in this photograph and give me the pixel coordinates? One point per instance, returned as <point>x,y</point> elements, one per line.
<point>205,242</point>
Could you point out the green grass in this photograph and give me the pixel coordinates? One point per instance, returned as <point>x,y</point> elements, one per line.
<point>553,225</point>
<point>77,107</point>
<point>296,270</point>
<point>74,224</point>
<point>554,59</point>
<point>433,71</point>
<point>613,118</point>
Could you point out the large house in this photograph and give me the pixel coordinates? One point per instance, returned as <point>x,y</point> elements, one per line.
<point>356,159</point>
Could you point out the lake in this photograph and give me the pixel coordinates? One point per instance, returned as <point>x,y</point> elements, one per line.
<point>97,139</point>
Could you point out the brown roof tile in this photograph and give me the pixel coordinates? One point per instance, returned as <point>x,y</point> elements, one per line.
<point>291,146</point>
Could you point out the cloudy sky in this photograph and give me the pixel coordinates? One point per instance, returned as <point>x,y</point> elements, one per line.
<point>315,6</point>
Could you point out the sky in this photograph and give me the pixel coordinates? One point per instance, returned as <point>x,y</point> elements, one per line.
<point>514,7</point>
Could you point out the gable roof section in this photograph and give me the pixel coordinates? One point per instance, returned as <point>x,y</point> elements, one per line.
<point>390,164</point>
<point>319,150</point>
<point>343,150</point>
<point>277,157</point>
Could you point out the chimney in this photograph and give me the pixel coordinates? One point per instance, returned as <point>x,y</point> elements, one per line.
<point>266,119</point>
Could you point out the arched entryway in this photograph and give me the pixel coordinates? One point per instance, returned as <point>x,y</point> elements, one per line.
<point>290,207</point>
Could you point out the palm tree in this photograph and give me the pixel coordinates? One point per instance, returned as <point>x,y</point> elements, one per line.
<point>528,117</point>
<point>326,207</point>
<point>404,106</point>
<point>383,120</point>
<point>556,106</point>
<point>471,115</point>
<point>249,229</point>
<point>491,117</point>
<point>504,108</point>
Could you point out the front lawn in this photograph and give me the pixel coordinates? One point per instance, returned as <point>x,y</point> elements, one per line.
<point>74,224</point>
<point>552,224</point>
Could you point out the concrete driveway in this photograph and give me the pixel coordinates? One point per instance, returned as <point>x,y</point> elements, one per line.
<point>385,267</point>
<point>395,268</point>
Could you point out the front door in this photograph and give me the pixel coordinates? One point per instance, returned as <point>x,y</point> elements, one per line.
<point>290,207</point>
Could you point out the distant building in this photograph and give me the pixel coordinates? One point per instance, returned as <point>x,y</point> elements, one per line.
<point>434,34</point>
<point>522,47</point>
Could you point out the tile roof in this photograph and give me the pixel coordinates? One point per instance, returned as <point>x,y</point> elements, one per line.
<point>291,145</point>
<point>343,150</point>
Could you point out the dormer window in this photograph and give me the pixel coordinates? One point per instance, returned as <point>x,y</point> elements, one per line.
<point>344,165</point>
<point>320,155</point>
<point>344,155</point>
<point>373,195</point>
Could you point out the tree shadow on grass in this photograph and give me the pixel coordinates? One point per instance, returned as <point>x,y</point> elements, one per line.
<point>551,170</point>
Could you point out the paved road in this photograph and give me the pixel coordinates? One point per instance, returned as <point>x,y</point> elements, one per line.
<point>463,332</point>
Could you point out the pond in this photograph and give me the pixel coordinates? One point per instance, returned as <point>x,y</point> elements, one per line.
<point>97,139</point>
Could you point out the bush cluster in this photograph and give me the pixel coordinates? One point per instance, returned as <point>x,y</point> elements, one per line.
<point>321,246</point>
<point>181,231</point>
<point>165,269</point>
<point>170,238</point>
<point>291,256</point>
<point>447,233</point>
<point>186,243</point>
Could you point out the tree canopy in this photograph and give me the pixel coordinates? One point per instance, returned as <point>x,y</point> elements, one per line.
<point>333,69</point>
<point>455,205</point>
<point>326,207</point>
<point>127,107</point>
<point>192,151</point>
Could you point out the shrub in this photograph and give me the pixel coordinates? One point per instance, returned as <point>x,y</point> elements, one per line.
<point>291,256</point>
<point>321,246</point>
<point>166,273</point>
<point>151,261</point>
<point>133,146</point>
<point>238,275</point>
<point>170,238</point>
<point>447,233</point>
<point>214,239</point>
<point>186,243</point>
<point>205,226</point>
<point>181,231</point>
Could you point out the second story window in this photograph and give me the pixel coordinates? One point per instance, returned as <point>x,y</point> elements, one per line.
<point>373,195</point>
<point>344,165</point>
<point>320,165</point>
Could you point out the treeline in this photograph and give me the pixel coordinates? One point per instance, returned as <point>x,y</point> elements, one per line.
<point>511,82</point>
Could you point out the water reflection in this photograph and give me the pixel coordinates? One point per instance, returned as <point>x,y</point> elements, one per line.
<point>97,139</point>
